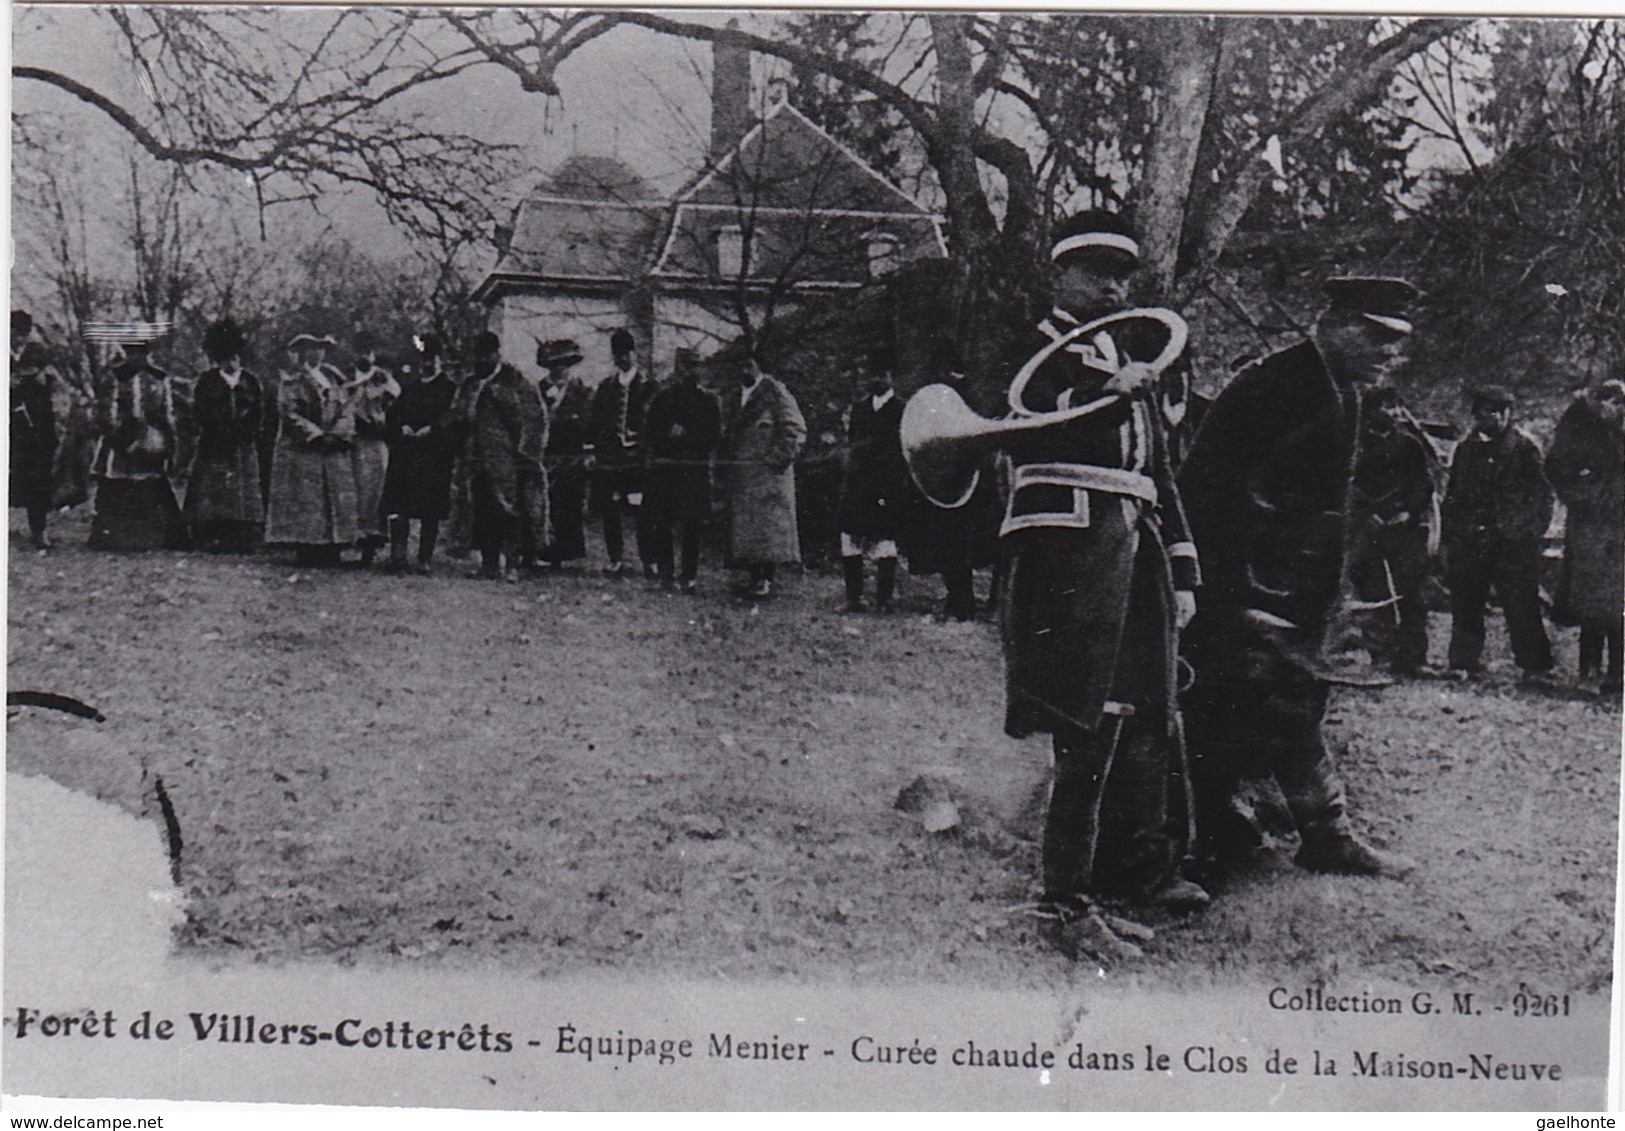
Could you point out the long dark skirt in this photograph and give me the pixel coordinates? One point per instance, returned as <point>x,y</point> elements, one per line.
<point>136,514</point>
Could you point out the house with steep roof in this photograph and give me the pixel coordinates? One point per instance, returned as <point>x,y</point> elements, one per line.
<point>779,213</point>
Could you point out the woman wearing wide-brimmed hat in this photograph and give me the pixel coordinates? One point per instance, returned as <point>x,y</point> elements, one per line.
<point>135,414</point>
<point>224,506</point>
<point>313,497</point>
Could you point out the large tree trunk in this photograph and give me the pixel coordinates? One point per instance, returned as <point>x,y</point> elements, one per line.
<point>1185,95</point>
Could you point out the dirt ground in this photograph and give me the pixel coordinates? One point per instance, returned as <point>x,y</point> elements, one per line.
<point>578,774</point>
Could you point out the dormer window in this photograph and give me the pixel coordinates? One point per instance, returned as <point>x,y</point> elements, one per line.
<point>731,251</point>
<point>884,253</point>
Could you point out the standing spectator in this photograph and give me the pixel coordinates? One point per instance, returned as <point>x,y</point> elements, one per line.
<point>1496,510</point>
<point>371,389</point>
<point>613,426</point>
<point>764,436</point>
<point>1392,496</point>
<point>313,500</point>
<point>1587,467</point>
<point>510,480</point>
<point>33,427</point>
<point>568,402</point>
<point>875,485</point>
<point>135,414</point>
<point>422,455</point>
<point>224,505</point>
<point>681,430</point>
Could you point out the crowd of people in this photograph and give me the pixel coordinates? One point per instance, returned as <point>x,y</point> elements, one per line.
<point>327,460</point>
<point>1181,581</point>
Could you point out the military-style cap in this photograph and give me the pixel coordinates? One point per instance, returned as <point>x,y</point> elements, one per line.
<point>558,352</point>
<point>1496,396</point>
<point>1095,231</point>
<point>301,340</point>
<point>1385,301</point>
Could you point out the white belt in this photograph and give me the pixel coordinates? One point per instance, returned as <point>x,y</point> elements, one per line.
<point>1081,477</point>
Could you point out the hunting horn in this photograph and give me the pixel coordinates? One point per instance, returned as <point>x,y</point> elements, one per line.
<point>944,439</point>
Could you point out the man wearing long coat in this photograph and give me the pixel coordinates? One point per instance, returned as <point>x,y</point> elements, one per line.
<point>765,433</point>
<point>510,479</point>
<point>1586,465</point>
<point>1267,486</point>
<point>569,402</point>
<point>423,438</point>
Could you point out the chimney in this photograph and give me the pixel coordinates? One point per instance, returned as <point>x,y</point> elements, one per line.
<point>730,93</point>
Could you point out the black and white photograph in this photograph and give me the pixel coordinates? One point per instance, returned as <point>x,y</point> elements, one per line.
<point>575,559</point>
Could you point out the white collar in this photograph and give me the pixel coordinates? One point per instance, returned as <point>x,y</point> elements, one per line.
<point>745,394</point>
<point>626,376</point>
<point>882,400</point>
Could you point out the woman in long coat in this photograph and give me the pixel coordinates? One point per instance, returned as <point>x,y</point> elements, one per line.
<point>1586,466</point>
<point>765,434</point>
<point>224,505</point>
<point>135,413</point>
<point>313,500</point>
<point>371,389</point>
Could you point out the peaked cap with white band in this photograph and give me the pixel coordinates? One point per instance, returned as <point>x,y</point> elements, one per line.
<point>1095,230</point>
<point>1384,301</point>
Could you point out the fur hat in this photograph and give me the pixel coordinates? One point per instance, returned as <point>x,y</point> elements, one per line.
<point>223,340</point>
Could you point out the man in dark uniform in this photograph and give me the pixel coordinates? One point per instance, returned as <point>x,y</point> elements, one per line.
<point>614,425</point>
<point>681,430</point>
<point>874,486</point>
<point>568,402</point>
<point>1393,499</point>
<point>33,427</point>
<point>1267,485</point>
<point>1495,514</point>
<point>1098,575</point>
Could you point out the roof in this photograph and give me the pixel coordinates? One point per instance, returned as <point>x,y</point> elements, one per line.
<point>559,239</point>
<point>787,161</point>
<point>813,204</point>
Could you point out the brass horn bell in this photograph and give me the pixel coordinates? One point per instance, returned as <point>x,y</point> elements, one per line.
<point>944,439</point>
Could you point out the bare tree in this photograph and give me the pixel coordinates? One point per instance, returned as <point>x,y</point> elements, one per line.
<point>300,101</point>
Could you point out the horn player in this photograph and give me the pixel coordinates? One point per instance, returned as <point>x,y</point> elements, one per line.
<point>1099,576</point>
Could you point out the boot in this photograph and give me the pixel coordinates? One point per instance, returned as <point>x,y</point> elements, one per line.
<point>885,583</point>
<point>1315,796</point>
<point>852,570</point>
<point>1340,852</point>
